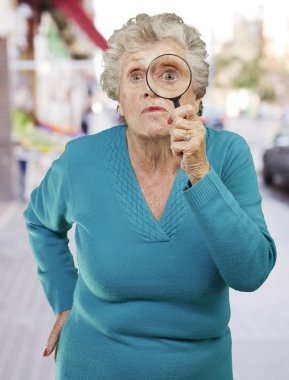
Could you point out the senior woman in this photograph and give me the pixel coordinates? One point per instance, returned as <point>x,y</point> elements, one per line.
<point>168,217</point>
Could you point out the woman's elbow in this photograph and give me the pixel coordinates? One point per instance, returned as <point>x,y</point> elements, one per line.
<point>247,285</point>
<point>257,273</point>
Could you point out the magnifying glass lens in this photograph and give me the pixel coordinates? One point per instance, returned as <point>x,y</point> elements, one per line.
<point>169,76</point>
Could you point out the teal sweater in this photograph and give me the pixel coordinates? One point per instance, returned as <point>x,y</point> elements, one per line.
<point>150,299</point>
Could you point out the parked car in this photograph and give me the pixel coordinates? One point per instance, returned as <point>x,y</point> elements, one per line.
<point>213,117</point>
<point>276,157</point>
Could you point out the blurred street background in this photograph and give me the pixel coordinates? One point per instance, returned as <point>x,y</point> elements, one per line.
<point>50,65</point>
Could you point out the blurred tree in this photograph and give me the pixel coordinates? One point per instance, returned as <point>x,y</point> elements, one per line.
<point>249,75</point>
<point>236,72</point>
<point>241,62</point>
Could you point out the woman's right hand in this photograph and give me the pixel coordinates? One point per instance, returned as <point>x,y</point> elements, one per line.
<point>52,343</point>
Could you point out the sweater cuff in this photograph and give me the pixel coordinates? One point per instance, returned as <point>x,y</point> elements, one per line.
<point>64,302</point>
<point>202,192</point>
<point>61,295</point>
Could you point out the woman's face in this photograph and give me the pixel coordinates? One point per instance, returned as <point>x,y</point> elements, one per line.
<point>147,114</point>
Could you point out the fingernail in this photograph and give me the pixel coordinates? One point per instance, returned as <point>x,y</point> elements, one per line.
<point>46,352</point>
<point>170,120</point>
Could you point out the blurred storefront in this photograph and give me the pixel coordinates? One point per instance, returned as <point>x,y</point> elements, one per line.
<point>51,47</point>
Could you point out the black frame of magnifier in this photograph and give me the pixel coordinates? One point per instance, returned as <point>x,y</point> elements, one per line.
<point>176,99</point>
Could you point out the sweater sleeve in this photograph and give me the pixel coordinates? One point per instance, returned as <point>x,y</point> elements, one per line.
<point>48,218</point>
<point>229,214</point>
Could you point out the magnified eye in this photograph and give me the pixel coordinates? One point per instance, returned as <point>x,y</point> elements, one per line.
<point>169,76</point>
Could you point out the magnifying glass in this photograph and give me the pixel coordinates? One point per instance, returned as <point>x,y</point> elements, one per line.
<point>169,76</point>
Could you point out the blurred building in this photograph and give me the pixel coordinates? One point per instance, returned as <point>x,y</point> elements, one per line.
<point>47,83</point>
<point>248,73</point>
<point>276,53</point>
<point>5,115</point>
<point>5,122</point>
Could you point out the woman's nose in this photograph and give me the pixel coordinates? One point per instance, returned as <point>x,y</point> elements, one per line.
<point>148,92</point>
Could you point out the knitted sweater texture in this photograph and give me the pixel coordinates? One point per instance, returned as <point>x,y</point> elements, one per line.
<point>149,299</point>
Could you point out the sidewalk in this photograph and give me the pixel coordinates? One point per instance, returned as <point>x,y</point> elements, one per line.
<point>25,318</point>
<point>260,322</point>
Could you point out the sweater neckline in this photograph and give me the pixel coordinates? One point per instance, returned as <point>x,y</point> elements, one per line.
<point>137,184</point>
<point>133,199</point>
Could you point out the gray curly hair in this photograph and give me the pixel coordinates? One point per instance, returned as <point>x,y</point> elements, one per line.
<point>145,29</point>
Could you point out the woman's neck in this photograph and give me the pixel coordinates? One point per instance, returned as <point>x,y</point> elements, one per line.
<point>151,155</point>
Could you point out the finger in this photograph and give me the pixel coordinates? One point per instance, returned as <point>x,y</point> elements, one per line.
<point>55,333</point>
<point>180,134</point>
<point>178,149</point>
<point>182,146</point>
<point>187,111</point>
<point>55,351</point>
<point>52,342</point>
<point>181,123</point>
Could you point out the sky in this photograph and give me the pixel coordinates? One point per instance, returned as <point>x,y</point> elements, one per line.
<point>214,19</point>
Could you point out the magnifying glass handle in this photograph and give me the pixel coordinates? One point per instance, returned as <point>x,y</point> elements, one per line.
<point>176,102</point>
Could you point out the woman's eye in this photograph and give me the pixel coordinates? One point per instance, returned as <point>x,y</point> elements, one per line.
<point>135,76</point>
<point>169,76</point>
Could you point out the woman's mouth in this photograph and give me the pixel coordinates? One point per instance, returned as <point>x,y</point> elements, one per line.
<point>153,109</point>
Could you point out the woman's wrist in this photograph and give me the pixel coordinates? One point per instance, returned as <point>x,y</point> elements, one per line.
<point>194,178</point>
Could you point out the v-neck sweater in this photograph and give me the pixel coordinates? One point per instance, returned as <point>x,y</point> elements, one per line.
<point>149,299</point>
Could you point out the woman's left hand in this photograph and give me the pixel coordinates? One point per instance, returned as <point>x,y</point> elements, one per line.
<point>188,141</point>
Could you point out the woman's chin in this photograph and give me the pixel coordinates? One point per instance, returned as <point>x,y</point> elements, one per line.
<point>158,129</point>
<point>153,130</point>
<point>158,134</point>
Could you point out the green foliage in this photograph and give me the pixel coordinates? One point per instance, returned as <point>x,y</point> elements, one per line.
<point>224,62</point>
<point>267,94</point>
<point>249,76</point>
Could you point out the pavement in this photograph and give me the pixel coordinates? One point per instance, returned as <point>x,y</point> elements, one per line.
<point>25,317</point>
<point>259,323</point>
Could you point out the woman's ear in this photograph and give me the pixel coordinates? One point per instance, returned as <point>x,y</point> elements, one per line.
<point>121,113</point>
<point>120,110</point>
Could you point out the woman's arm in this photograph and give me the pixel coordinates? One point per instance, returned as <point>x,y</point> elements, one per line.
<point>228,212</point>
<point>48,218</point>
